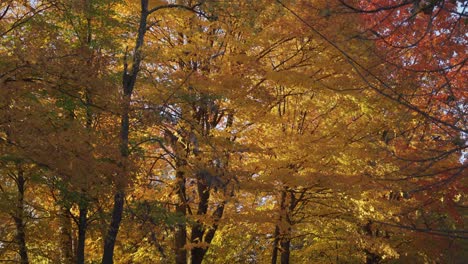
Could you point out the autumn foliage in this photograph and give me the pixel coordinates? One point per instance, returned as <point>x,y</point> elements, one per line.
<point>285,131</point>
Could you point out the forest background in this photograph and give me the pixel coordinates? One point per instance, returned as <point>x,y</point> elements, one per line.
<point>215,131</point>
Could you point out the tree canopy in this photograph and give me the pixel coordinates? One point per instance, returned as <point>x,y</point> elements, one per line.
<point>209,131</point>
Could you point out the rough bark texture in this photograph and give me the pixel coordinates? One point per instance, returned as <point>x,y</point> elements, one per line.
<point>199,253</point>
<point>109,243</point>
<point>372,258</point>
<point>285,252</point>
<point>128,84</point>
<point>274,254</point>
<point>66,238</point>
<point>19,218</point>
<point>181,229</point>
<point>282,239</point>
<point>82,226</point>
<point>117,210</point>
<point>198,229</point>
<point>287,209</point>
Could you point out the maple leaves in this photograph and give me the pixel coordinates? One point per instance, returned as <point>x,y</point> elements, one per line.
<point>421,43</point>
<point>424,41</point>
<point>295,131</point>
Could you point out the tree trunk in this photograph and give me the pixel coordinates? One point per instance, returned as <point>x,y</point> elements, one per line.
<point>274,254</point>
<point>288,208</point>
<point>82,226</point>
<point>66,239</point>
<point>372,258</point>
<point>181,229</point>
<point>19,218</point>
<point>285,245</point>
<point>217,214</point>
<point>117,210</point>
<point>128,84</point>
<point>197,255</point>
<point>282,231</point>
<point>198,229</point>
<point>109,243</point>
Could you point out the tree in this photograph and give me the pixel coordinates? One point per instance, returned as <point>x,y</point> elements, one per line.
<point>229,131</point>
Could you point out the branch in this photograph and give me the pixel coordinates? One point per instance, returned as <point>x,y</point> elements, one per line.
<point>192,8</point>
<point>436,232</point>
<point>376,10</point>
<point>359,68</point>
<point>4,12</point>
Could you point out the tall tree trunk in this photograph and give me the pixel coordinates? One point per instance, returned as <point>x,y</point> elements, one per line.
<point>282,239</point>
<point>19,218</point>
<point>274,254</point>
<point>285,241</point>
<point>66,238</point>
<point>197,255</point>
<point>119,196</point>
<point>372,258</point>
<point>82,226</point>
<point>181,229</point>
<point>201,233</point>
<point>285,252</point>
<point>209,235</point>
<point>198,229</point>
<point>111,236</point>
<point>128,84</point>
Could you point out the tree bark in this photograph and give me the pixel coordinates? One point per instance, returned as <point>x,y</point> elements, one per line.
<point>372,258</point>
<point>282,240</point>
<point>117,210</point>
<point>285,249</point>
<point>82,227</point>
<point>288,208</point>
<point>109,243</point>
<point>181,229</point>
<point>198,229</point>
<point>274,254</point>
<point>19,218</point>
<point>128,84</point>
<point>66,239</point>
<point>209,235</point>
